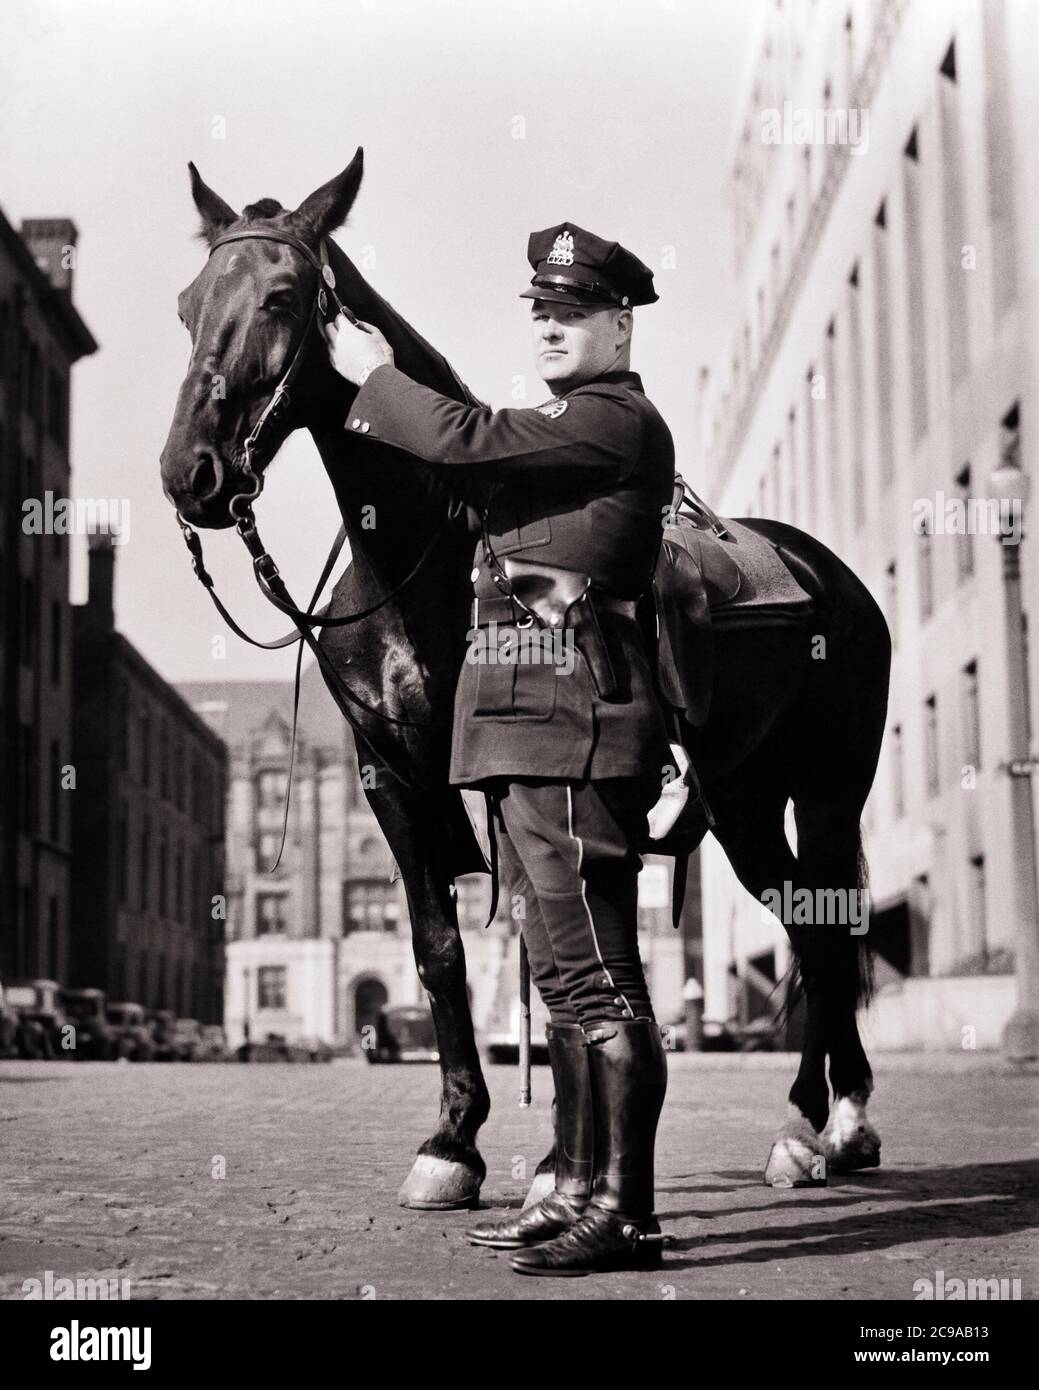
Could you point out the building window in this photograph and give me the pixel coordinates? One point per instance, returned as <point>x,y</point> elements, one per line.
<point>882,340</point>
<point>145,726</point>
<point>164,761</point>
<point>270,914</point>
<point>145,854</point>
<point>270,789</point>
<point>917,301</point>
<point>123,867</point>
<point>892,601</point>
<point>964,542</point>
<point>979,907</point>
<point>164,873</point>
<point>898,780</point>
<point>925,569</point>
<point>791,459</point>
<point>30,634</point>
<point>29,775</point>
<point>954,218</point>
<point>1010,438</point>
<point>56,642</point>
<point>971,716</point>
<point>931,765</point>
<point>122,707</point>
<point>271,986</point>
<point>857,400</point>
<point>998,142</point>
<point>811,499</point>
<point>370,905</point>
<point>53,938</point>
<point>55,791</point>
<point>178,883</point>
<point>833,426</point>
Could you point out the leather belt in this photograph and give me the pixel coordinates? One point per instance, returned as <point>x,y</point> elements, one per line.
<point>503,611</point>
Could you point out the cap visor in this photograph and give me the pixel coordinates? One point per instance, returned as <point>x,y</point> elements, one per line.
<point>565,297</point>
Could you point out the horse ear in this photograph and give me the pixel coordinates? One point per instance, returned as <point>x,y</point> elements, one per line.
<point>327,208</point>
<point>215,213</point>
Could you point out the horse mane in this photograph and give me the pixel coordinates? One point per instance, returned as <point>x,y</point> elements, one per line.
<point>412,353</point>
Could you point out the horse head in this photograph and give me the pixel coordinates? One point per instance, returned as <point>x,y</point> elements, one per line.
<point>249,313</point>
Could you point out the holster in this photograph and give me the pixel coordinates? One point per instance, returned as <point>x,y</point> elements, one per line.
<point>561,598</point>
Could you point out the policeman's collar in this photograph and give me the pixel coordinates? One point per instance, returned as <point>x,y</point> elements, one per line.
<point>631,379</point>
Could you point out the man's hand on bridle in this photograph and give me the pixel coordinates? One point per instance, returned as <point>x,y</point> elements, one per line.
<point>356,350</point>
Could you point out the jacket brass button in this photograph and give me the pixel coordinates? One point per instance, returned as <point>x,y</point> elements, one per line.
<point>365,427</point>
<point>474,576</point>
<point>355,424</point>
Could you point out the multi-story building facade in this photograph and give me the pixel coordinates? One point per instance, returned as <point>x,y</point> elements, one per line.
<point>41,337</point>
<point>149,903</point>
<point>319,943</point>
<point>886,190</point>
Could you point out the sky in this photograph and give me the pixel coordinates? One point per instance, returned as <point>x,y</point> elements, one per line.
<point>480,122</point>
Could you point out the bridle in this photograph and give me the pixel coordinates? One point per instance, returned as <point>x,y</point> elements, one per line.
<point>258,445</point>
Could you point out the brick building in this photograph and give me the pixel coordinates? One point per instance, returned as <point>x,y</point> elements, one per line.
<point>148,823</point>
<point>41,337</point>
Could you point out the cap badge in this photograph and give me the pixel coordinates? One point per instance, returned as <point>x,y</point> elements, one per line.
<point>553,409</point>
<point>562,250</point>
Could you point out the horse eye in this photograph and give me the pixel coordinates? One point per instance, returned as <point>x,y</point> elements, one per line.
<point>282,303</point>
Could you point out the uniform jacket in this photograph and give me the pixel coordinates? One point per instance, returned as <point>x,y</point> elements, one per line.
<point>581,483</point>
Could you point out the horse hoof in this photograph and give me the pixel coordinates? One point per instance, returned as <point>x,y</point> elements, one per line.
<point>543,1184</point>
<point>797,1158</point>
<point>849,1140</point>
<point>436,1184</point>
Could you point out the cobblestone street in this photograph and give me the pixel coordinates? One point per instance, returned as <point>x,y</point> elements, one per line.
<point>108,1172</point>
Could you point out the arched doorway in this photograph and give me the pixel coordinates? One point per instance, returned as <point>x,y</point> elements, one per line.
<point>369,997</point>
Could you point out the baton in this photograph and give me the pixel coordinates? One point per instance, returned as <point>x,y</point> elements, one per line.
<point>524,1026</point>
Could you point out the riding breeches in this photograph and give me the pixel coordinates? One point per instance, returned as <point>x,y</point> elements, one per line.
<point>569,862</point>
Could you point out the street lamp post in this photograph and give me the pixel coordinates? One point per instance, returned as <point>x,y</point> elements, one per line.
<point>1021,1034</point>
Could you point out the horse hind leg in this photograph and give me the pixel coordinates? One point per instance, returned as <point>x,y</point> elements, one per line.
<point>836,967</point>
<point>763,862</point>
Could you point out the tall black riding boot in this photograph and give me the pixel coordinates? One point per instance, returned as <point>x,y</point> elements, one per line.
<point>568,1056</point>
<point>618,1229</point>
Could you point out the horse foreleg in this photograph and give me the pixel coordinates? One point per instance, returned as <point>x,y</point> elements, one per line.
<point>448,1169</point>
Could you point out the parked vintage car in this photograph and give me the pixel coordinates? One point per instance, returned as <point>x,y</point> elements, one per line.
<point>41,1019</point>
<point>162,1023</point>
<point>187,1039</point>
<point>96,1039</point>
<point>134,1039</point>
<point>213,1044</point>
<point>275,1047</point>
<point>10,1027</point>
<point>404,1033</point>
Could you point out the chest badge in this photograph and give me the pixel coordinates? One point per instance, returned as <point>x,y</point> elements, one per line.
<point>553,409</point>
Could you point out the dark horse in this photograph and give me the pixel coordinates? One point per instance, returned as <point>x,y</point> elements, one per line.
<point>784,726</point>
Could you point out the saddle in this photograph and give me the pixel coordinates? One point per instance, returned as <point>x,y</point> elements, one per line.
<point>713,574</point>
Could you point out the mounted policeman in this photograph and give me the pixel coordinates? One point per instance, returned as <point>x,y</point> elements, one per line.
<point>566,737</point>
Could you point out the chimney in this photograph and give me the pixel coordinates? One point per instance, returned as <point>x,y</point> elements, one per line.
<point>101,578</point>
<point>52,245</point>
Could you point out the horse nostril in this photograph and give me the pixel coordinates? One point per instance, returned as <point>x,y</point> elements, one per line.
<point>205,476</point>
